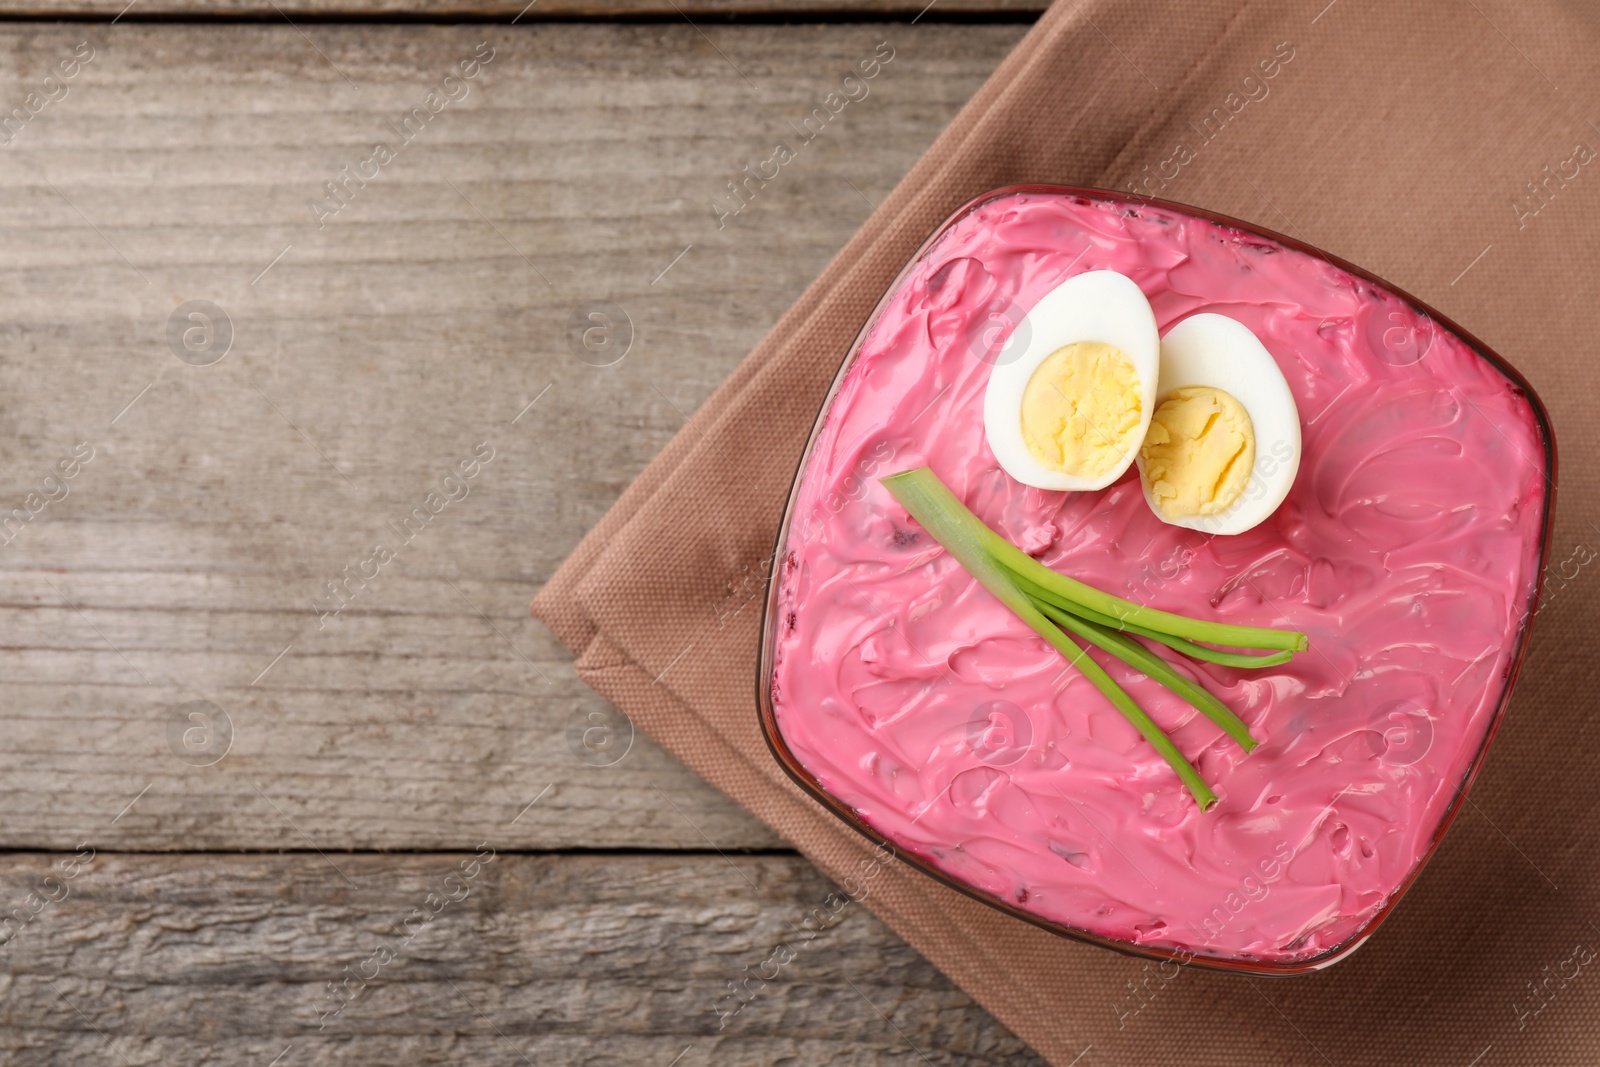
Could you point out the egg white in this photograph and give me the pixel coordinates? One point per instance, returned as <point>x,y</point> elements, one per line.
<point>1100,305</point>
<point>1215,350</point>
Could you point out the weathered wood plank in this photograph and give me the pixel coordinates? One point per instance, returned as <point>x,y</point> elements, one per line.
<point>210,959</point>
<point>370,356</point>
<point>520,10</point>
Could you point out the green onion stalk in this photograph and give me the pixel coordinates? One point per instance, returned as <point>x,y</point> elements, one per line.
<point>1053,605</point>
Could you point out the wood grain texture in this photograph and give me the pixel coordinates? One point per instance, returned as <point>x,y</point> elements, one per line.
<point>519,10</point>
<point>369,357</point>
<point>226,381</point>
<point>596,960</point>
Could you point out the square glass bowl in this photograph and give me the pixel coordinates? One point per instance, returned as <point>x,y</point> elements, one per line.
<point>1417,528</point>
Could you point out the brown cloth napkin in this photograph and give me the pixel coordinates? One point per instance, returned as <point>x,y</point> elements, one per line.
<point>1449,148</point>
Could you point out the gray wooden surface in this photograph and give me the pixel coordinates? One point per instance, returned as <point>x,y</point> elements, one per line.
<point>555,959</point>
<point>173,700</point>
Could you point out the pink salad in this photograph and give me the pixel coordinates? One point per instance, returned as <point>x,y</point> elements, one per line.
<point>1407,550</point>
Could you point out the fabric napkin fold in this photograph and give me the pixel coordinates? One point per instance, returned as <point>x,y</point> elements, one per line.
<point>1446,148</point>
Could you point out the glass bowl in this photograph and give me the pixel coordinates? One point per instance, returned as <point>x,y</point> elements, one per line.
<point>1196,954</point>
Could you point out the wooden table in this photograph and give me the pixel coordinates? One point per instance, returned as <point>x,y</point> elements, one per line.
<point>255,821</point>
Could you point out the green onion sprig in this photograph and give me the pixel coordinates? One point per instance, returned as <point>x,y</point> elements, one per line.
<point>1053,605</point>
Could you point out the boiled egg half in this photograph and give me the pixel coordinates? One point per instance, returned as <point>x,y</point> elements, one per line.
<point>1071,395</point>
<point>1223,444</point>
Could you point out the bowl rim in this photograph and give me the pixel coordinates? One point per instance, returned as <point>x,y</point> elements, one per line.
<point>1231,964</point>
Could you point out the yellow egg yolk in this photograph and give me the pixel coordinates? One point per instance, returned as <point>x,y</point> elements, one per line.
<point>1198,453</point>
<point>1081,409</point>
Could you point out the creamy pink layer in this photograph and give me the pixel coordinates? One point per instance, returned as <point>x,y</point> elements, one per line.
<point>1407,550</point>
